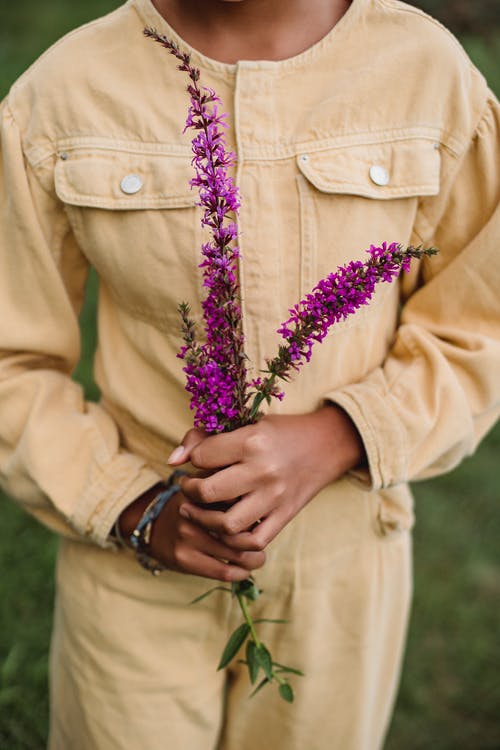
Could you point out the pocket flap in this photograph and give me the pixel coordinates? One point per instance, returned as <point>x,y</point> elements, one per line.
<point>386,170</point>
<point>119,180</point>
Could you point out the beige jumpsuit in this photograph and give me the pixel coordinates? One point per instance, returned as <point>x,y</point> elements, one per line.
<point>382,131</point>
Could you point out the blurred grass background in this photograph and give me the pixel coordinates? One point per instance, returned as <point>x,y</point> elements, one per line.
<point>450,692</point>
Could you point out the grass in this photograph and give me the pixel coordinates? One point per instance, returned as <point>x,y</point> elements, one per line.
<point>28,27</point>
<point>450,692</point>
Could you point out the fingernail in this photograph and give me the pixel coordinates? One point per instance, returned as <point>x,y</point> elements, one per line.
<point>183,511</point>
<point>176,454</point>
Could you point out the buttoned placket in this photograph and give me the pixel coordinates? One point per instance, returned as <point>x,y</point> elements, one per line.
<point>259,266</point>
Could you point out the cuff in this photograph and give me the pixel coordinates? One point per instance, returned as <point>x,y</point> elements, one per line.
<point>120,483</point>
<point>381,432</point>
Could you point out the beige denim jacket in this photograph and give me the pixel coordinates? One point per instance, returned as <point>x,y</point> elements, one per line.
<point>382,131</point>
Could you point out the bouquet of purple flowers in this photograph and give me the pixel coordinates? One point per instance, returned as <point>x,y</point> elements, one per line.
<point>222,396</point>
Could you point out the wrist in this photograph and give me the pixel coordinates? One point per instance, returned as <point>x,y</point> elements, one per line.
<point>341,438</point>
<point>136,522</point>
<point>131,515</point>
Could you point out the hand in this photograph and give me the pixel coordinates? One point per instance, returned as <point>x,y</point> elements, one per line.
<point>273,468</point>
<point>186,547</point>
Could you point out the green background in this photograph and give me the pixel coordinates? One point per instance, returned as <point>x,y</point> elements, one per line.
<point>450,692</point>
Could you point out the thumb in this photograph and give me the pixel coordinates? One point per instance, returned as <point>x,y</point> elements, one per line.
<point>182,453</point>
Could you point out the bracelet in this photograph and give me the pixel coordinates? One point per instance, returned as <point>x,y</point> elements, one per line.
<point>140,537</point>
<point>116,535</point>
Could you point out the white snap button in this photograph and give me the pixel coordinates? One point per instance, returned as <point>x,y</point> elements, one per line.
<point>131,184</point>
<point>379,175</point>
<point>304,157</point>
<point>64,156</point>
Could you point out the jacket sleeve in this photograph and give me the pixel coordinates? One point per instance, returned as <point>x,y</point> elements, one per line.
<point>59,456</point>
<point>438,391</point>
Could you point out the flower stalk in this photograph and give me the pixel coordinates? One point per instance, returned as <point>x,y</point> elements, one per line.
<point>332,300</point>
<point>222,398</point>
<point>248,618</point>
<point>216,374</point>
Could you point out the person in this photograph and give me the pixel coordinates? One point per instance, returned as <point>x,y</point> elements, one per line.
<point>353,123</point>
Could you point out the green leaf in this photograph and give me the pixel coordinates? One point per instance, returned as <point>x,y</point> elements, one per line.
<point>286,692</point>
<point>265,619</point>
<point>282,668</point>
<point>247,588</point>
<point>252,661</point>
<point>234,644</point>
<point>258,399</point>
<point>265,660</point>
<point>207,593</point>
<point>259,687</point>
<point>251,592</point>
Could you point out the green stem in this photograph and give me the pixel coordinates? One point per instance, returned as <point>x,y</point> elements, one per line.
<point>248,619</point>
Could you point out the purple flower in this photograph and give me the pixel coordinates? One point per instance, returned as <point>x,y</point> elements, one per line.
<point>215,370</point>
<point>333,299</point>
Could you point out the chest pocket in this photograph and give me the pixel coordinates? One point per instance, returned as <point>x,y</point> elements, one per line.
<point>357,195</point>
<point>134,217</point>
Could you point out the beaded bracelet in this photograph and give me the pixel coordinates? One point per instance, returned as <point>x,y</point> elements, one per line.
<point>140,537</point>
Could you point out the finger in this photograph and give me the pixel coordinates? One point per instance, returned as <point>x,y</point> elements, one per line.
<point>250,510</point>
<point>221,450</point>
<point>227,522</point>
<point>200,564</point>
<point>250,560</point>
<point>210,520</point>
<point>234,520</point>
<point>222,486</point>
<point>187,555</point>
<point>260,536</point>
<point>193,537</point>
<point>181,454</point>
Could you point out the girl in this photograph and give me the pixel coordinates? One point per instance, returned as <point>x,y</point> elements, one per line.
<point>353,124</point>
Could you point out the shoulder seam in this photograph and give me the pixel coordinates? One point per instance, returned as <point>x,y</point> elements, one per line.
<point>399,6</point>
<point>402,7</point>
<point>27,152</point>
<point>33,166</point>
<point>490,101</point>
<point>75,32</point>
